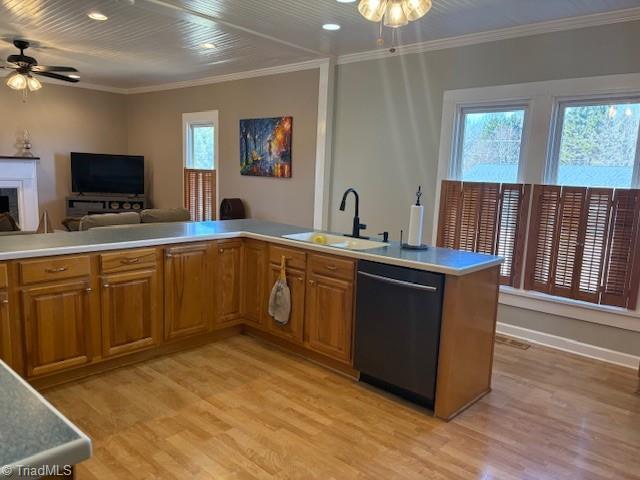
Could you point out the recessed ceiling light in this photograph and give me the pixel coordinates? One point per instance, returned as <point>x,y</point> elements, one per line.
<point>73,75</point>
<point>332,27</point>
<point>208,45</point>
<point>346,1</point>
<point>97,16</point>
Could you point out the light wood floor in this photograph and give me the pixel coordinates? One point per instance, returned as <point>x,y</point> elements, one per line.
<point>244,409</point>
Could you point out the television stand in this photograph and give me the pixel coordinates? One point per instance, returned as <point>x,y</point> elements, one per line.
<point>82,204</point>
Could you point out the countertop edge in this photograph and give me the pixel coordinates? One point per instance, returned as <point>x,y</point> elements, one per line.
<point>68,453</point>
<point>357,254</point>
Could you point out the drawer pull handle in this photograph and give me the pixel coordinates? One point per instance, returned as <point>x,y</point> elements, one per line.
<point>312,282</point>
<point>56,270</point>
<point>4,301</point>
<point>333,268</point>
<point>221,250</point>
<point>106,285</point>
<point>169,255</point>
<point>88,289</point>
<point>130,261</point>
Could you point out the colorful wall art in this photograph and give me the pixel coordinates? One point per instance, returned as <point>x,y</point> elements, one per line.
<point>265,147</point>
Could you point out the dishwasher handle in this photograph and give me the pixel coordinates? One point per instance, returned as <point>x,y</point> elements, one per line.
<point>402,283</point>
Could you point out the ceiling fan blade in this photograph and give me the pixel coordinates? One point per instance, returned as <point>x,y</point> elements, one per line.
<point>9,65</point>
<point>45,68</point>
<point>57,77</point>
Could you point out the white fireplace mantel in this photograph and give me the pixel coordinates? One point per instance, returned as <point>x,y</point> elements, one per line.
<point>21,173</point>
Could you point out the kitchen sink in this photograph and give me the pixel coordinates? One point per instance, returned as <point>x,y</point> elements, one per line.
<point>337,241</point>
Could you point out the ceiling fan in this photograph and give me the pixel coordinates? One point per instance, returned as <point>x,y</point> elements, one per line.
<point>26,67</point>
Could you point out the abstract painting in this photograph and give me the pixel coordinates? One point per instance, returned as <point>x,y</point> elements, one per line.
<point>265,147</point>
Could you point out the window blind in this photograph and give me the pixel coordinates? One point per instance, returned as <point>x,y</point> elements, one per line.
<point>583,244</point>
<point>486,218</point>
<point>200,194</point>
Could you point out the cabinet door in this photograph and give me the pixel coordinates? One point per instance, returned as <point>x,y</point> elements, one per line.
<point>188,290</point>
<point>329,318</point>
<point>5,329</point>
<point>58,322</point>
<point>228,282</point>
<point>255,280</point>
<point>130,312</point>
<point>296,281</point>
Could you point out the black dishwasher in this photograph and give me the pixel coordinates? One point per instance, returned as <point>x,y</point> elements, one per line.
<point>398,329</point>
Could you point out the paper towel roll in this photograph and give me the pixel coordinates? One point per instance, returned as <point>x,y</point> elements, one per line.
<point>415,225</point>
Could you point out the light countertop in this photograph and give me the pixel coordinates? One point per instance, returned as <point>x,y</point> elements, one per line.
<point>33,433</point>
<point>451,262</point>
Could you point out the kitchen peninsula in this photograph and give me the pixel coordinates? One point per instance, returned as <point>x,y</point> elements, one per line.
<point>80,303</point>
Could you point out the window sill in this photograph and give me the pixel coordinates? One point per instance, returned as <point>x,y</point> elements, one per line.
<point>565,307</point>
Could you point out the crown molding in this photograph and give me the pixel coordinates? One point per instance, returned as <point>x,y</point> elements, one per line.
<point>571,23</point>
<point>261,72</point>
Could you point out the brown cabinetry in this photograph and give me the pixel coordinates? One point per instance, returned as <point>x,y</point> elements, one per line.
<point>5,329</point>
<point>329,306</point>
<point>58,323</point>
<point>228,282</point>
<point>293,329</point>
<point>130,311</point>
<point>255,281</point>
<point>188,289</point>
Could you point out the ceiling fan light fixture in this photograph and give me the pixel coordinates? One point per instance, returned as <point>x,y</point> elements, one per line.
<point>416,9</point>
<point>395,15</point>
<point>372,10</point>
<point>17,81</point>
<point>33,84</point>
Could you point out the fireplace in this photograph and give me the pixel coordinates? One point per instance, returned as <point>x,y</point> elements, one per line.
<point>19,190</point>
<point>9,202</point>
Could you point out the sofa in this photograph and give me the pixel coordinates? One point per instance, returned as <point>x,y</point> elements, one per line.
<point>151,215</point>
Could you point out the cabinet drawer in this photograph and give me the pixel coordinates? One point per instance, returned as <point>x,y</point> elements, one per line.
<point>4,282</point>
<point>331,266</point>
<point>53,269</point>
<point>128,260</point>
<point>295,258</point>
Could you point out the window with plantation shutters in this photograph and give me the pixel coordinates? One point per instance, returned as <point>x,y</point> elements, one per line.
<point>583,244</point>
<point>200,194</point>
<point>200,156</point>
<point>486,218</point>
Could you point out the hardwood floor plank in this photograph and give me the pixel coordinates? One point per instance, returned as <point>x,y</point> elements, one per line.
<point>244,409</point>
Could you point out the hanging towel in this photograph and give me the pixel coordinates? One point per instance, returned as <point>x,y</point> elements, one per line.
<point>280,298</point>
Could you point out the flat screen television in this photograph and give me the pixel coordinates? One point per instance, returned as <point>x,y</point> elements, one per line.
<point>101,173</point>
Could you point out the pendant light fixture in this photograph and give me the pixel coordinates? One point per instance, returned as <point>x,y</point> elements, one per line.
<point>396,13</point>
<point>393,14</point>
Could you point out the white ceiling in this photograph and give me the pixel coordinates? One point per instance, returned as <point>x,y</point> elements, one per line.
<point>151,42</point>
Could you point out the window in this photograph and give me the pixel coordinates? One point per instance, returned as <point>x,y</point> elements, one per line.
<point>489,144</point>
<point>200,147</point>
<point>574,150</point>
<point>486,218</point>
<point>596,144</point>
<point>584,244</point>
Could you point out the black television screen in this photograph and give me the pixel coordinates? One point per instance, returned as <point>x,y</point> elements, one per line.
<point>99,173</point>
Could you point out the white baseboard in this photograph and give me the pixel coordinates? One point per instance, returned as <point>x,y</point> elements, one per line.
<point>569,345</point>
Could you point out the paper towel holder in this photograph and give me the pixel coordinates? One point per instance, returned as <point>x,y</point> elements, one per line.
<point>406,246</point>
